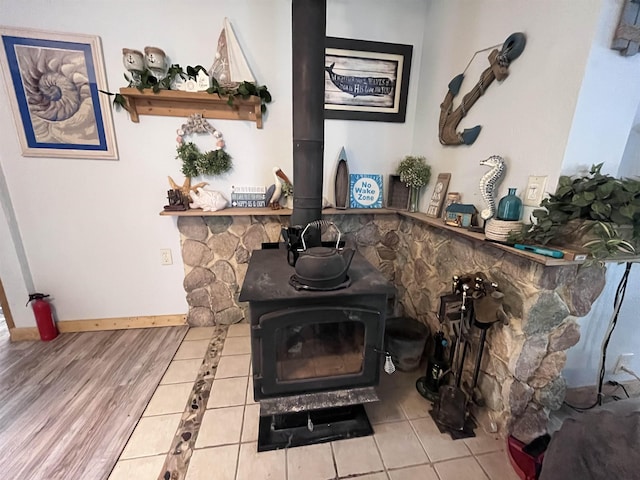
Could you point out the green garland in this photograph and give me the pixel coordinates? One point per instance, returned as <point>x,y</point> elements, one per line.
<point>194,162</point>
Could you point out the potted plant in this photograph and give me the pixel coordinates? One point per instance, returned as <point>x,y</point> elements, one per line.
<point>596,211</point>
<point>415,174</point>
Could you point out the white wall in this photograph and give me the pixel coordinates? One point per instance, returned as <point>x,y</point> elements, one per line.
<point>602,132</point>
<point>526,118</point>
<point>608,101</point>
<point>91,229</point>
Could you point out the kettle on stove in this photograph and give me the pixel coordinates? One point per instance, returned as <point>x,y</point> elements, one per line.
<point>323,267</point>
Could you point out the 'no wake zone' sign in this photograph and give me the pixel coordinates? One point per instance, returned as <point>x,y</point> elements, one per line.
<point>365,191</point>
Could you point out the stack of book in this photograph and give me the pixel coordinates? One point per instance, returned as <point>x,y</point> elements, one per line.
<point>248,197</point>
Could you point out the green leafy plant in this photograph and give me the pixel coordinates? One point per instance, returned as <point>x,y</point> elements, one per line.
<point>414,171</point>
<point>601,203</point>
<point>147,80</point>
<point>194,162</point>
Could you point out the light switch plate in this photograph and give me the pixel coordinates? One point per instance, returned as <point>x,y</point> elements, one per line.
<point>535,191</point>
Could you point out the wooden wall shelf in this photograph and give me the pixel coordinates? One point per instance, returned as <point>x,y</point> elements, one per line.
<point>173,103</point>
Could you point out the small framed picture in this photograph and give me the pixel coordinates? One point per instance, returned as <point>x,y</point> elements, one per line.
<point>437,198</point>
<point>398,196</point>
<point>365,190</point>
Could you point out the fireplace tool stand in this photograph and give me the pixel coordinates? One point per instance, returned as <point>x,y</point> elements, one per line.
<point>480,307</point>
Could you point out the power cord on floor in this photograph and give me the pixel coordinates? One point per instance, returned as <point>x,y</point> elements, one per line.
<point>620,292</point>
<point>630,372</point>
<point>616,384</point>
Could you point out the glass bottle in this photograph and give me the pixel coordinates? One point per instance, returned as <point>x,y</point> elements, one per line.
<point>510,206</point>
<point>414,198</point>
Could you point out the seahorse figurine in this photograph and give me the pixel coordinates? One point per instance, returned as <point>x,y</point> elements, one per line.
<point>489,181</point>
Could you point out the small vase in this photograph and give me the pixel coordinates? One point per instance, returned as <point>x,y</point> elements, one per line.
<point>510,207</point>
<point>414,196</point>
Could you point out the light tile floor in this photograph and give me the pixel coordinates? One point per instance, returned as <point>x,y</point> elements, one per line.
<point>406,444</point>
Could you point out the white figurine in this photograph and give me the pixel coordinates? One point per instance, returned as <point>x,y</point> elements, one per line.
<point>155,60</point>
<point>207,200</point>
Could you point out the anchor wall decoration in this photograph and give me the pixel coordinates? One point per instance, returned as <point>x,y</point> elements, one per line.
<point>499,61</point>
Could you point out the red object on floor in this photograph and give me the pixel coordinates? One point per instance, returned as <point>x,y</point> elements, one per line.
<point>526,466</point>
<point>44,319</point>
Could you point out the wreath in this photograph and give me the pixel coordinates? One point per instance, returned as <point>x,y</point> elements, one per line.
<point>194,162</point>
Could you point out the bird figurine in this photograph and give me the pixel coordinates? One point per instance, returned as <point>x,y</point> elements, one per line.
<point>280,178</point>
<point>488,183</point>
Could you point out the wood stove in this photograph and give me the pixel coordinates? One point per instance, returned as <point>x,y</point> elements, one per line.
<point>311,349</point>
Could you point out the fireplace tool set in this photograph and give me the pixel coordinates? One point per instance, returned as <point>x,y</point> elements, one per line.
<point>474,304</point>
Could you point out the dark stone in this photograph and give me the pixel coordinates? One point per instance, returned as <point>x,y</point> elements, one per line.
<point>223,245</point>
<point>167,475</point>
<point>565,337</point>
<point>224,272</point>
<point>386,253</point>
<point>220,297</point>
<point>242,255</point>
<point>196,253</point>
<point>199,298</point>
<point>583,291</point>
<point>520,394</point>
<point>549,369</point>
<point>200,317</point>
<point>548,312</point>
<point>254,236</point>
<point>552,395</point>
<point>199,277</point>
<point>186,436</point>
<point>193,227</point>
<point>368,235</point>
<point>229,316</point>
<point>388,270</point>
<point>531,424</point>
<point>218,224</point>
<point>554,277</point>
<point>533,351</point>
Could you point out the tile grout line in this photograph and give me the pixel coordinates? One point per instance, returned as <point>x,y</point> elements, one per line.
<point>182,446</point>
<point>244,414</point>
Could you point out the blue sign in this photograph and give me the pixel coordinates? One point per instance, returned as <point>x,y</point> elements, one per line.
<point>365,191</point>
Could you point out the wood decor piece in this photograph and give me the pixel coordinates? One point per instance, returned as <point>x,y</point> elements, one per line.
<point>172,103</point>
<point>341,191</point>
<point>498,69</point>
<point>398,193</point>
<point>437,198</point>
<point>626,38</point>
<point>452,197</point>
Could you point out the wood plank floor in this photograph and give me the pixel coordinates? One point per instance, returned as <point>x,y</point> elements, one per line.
<point>67,407</point>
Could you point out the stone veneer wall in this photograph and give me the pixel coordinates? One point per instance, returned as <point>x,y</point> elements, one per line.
<point>521,381</point>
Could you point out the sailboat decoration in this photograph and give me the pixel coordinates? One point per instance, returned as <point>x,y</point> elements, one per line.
<point>341,191</point>
<point>229,67</point>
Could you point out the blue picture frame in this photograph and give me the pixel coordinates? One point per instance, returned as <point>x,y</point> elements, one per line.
<point>365,190</point>
<point>53,81</point>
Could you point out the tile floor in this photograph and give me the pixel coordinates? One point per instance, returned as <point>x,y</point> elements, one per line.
<point>406,445</point>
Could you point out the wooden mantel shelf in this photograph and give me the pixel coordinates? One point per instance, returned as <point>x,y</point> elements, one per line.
<point>420,217</point>
<point>173,103</point>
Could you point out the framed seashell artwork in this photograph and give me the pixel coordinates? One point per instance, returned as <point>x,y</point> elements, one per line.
<point>53,81</point>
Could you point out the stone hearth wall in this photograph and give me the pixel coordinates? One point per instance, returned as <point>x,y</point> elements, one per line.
<point>521,378</point>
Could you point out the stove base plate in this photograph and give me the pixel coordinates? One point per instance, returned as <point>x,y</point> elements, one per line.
<point>292,429</point>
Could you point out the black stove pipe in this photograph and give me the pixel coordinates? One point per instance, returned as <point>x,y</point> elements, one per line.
<point>308,38</point>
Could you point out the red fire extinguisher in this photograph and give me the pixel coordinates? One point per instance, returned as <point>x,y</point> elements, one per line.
<point>44,320</point>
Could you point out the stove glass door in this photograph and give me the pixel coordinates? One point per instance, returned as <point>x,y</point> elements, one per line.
<point>306,349</point>
<point>320,350</point>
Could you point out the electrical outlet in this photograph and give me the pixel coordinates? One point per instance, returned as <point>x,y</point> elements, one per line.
<point>623,361</point>
<point>165,256</point>
<point>535,191</point>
